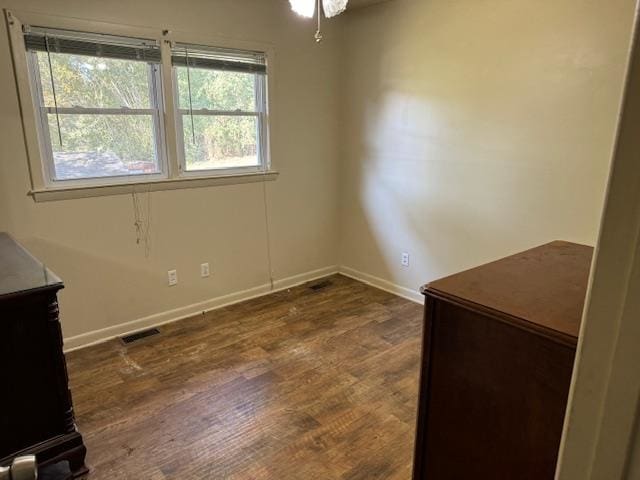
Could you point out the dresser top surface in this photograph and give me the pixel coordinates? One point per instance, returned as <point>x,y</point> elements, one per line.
<point>20,272</point>
<point>545,286</point>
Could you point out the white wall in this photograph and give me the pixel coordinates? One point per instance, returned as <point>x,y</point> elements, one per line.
<point>90,242</point>
<point>475,128</point>
<point>458,131</point>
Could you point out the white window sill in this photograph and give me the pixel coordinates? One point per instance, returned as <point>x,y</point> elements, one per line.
<point>67,193</point>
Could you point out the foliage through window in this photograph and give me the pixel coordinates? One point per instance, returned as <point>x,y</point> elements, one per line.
<point>100,104</point>
<point>220,96</point>
<point>99,115</point>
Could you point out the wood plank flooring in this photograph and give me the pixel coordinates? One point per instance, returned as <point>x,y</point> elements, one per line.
<point>300,384</point>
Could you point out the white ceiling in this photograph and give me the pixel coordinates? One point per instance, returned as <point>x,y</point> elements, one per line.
<point>363,3</point>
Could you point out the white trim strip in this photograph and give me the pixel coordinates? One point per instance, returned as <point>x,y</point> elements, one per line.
<point>103,335</point>
<point>387,286</point>
<point>99,336</point>
<point>100,111</point>
<point>66,193</point>
<point>219,113</point>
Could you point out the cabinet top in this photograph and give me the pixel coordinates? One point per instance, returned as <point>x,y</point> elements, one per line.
<point>20,272</point>
<point>545,287</point>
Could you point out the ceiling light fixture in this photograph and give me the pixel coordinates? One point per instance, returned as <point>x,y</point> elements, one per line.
<point>307,8</point>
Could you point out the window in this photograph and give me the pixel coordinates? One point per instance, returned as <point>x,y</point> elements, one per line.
<point>103,116</point>
<point>220,97</point>
<point>99,105</point>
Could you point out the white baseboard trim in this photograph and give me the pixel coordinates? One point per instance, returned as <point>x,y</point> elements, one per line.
<point>99,336</point>
<point>382,284</point>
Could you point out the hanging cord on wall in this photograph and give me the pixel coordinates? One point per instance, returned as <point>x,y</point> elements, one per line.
<point>147,237</point>
<point>142,224</point>
<point>318,35</point>
<point>137,221</point>
<point>53,87</point>
<point>193,130</point>
<point>266,224</point>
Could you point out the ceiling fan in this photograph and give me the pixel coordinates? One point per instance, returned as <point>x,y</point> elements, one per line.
<point>307,8</point>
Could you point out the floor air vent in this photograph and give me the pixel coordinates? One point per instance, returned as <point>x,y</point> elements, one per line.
<point>320,285</point>
<point>139,336</point>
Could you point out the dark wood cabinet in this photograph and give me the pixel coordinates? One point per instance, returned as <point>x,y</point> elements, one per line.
<point>36,412</point>
<point>498,352</point>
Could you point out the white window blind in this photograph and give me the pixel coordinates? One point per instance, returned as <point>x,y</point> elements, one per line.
<point>197,56</point>
<point>91,44</point>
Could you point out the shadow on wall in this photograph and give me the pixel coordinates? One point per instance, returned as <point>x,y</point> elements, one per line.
<point>407,184</point>
<point>458,156</point>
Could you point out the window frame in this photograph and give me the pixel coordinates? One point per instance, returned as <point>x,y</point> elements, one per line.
<point>172,177</point>
<point>261,135</point>
<point>154,75</point>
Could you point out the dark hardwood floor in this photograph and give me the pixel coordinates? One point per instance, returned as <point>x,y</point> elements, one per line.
<point>300,384</point>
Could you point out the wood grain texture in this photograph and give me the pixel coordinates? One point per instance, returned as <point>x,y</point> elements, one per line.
<point>497,398</point>
<point>544,286</point>
<point>299,384</point>
<point>499,347</point>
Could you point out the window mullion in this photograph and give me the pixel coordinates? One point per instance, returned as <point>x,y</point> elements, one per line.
<point>155,83</point>
<point>169,111</point>
<point>263,137</point>
<point>258,102</point>
<point>181,158</point>
<point>48,169</point>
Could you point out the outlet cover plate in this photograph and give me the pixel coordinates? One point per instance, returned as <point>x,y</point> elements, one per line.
<point>172,277</point>
<point>204,270</point>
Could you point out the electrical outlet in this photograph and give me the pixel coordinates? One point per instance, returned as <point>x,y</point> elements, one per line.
<point>405,259</point>
<point>173,277</point>
<point>204,270</point>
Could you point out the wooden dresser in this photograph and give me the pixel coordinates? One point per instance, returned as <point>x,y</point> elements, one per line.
<point>36,413</point>
<point>498,352</point>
